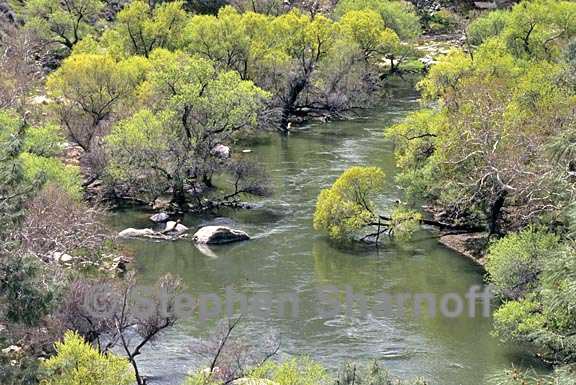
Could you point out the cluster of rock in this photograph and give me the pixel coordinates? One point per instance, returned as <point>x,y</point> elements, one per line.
<point>206,235</point>
<point>115,263</point>
<point>440,45</point>
<point>172,230</point>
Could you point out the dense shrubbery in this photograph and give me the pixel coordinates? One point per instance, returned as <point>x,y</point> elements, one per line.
<point>516,261</point>
<point>494,145</point>
<point>148,89</point>
<point>486,152</point>
<point>304,371</point>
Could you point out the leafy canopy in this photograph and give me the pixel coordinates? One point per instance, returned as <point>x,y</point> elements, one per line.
<point>399,16</point>
<point>139,28</point>
<point>347,207</point>
<point>187,107</point>
<point>92,86</point>
<point>63,22</point>
<point>532,29</point>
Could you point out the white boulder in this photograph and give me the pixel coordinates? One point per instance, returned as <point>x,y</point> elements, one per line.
<point>174,228</point>
<point>160,218</point>
<point>137,233</point>
<point>57,256</point>
<point>219,235</point>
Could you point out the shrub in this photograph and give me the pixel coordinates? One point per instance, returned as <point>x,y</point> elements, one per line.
<point>44,141</point>
<point>347,207</point>
<point>27,295</point>
<point>55,222</point>
<point>443,21</point>
<point>296,371</point>
<point>53,170</point>
<point>515,262</point>
<point>518,319</point>
<point>373,374</point>
<point>78,363</point>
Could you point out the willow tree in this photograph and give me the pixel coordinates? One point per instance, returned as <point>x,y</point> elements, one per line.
<point>187,107</point>
<point>399,16</point>
<point>484,155</point>
<point>347,210</point>
<point>139,28</point>
<point>88,89</point>
<point>532,29</point>
<point>307,63</point>
<point>63,22</point>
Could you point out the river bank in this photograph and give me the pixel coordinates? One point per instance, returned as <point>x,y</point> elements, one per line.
<point>286,255</point>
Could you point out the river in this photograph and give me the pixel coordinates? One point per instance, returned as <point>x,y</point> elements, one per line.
<point>287,256</point>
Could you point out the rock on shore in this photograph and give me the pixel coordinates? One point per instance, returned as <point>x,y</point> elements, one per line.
<point>471,245</point>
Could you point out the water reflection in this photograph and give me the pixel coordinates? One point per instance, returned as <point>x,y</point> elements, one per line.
<point>286,255</point>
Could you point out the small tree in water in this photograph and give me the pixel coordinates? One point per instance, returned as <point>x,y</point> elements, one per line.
<point>346,211</point>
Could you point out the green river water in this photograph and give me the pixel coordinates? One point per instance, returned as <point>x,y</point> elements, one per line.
<point>287,256</point>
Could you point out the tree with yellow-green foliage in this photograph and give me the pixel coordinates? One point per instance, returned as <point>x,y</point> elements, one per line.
<point>310,63</point>
<point>187,107</point>
<point>78,363</point>
<point>88,90</point>
<point>63,22</point>
<point>399,16</point>
<point>367,30</point>
<point>140,28</point>
<point>491,153</point>
<point>347,211</point>
<point>347,207</point>
<point>280,54</point>
<point>532,29</point>
<point>307,63</point>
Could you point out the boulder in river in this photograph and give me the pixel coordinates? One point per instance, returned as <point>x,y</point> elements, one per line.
<point>160,218</point>
<point>161,203</point>
<point>174,228</point>
<point>138,233</point>
<point>219,235</point>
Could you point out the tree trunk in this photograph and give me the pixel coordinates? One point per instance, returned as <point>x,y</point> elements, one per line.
<point>495,211</point>
<point>178,193</point>
<point>139,379</point>
<point>296,87</point>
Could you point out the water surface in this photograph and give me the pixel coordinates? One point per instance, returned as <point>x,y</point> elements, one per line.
<point>288,256</point>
